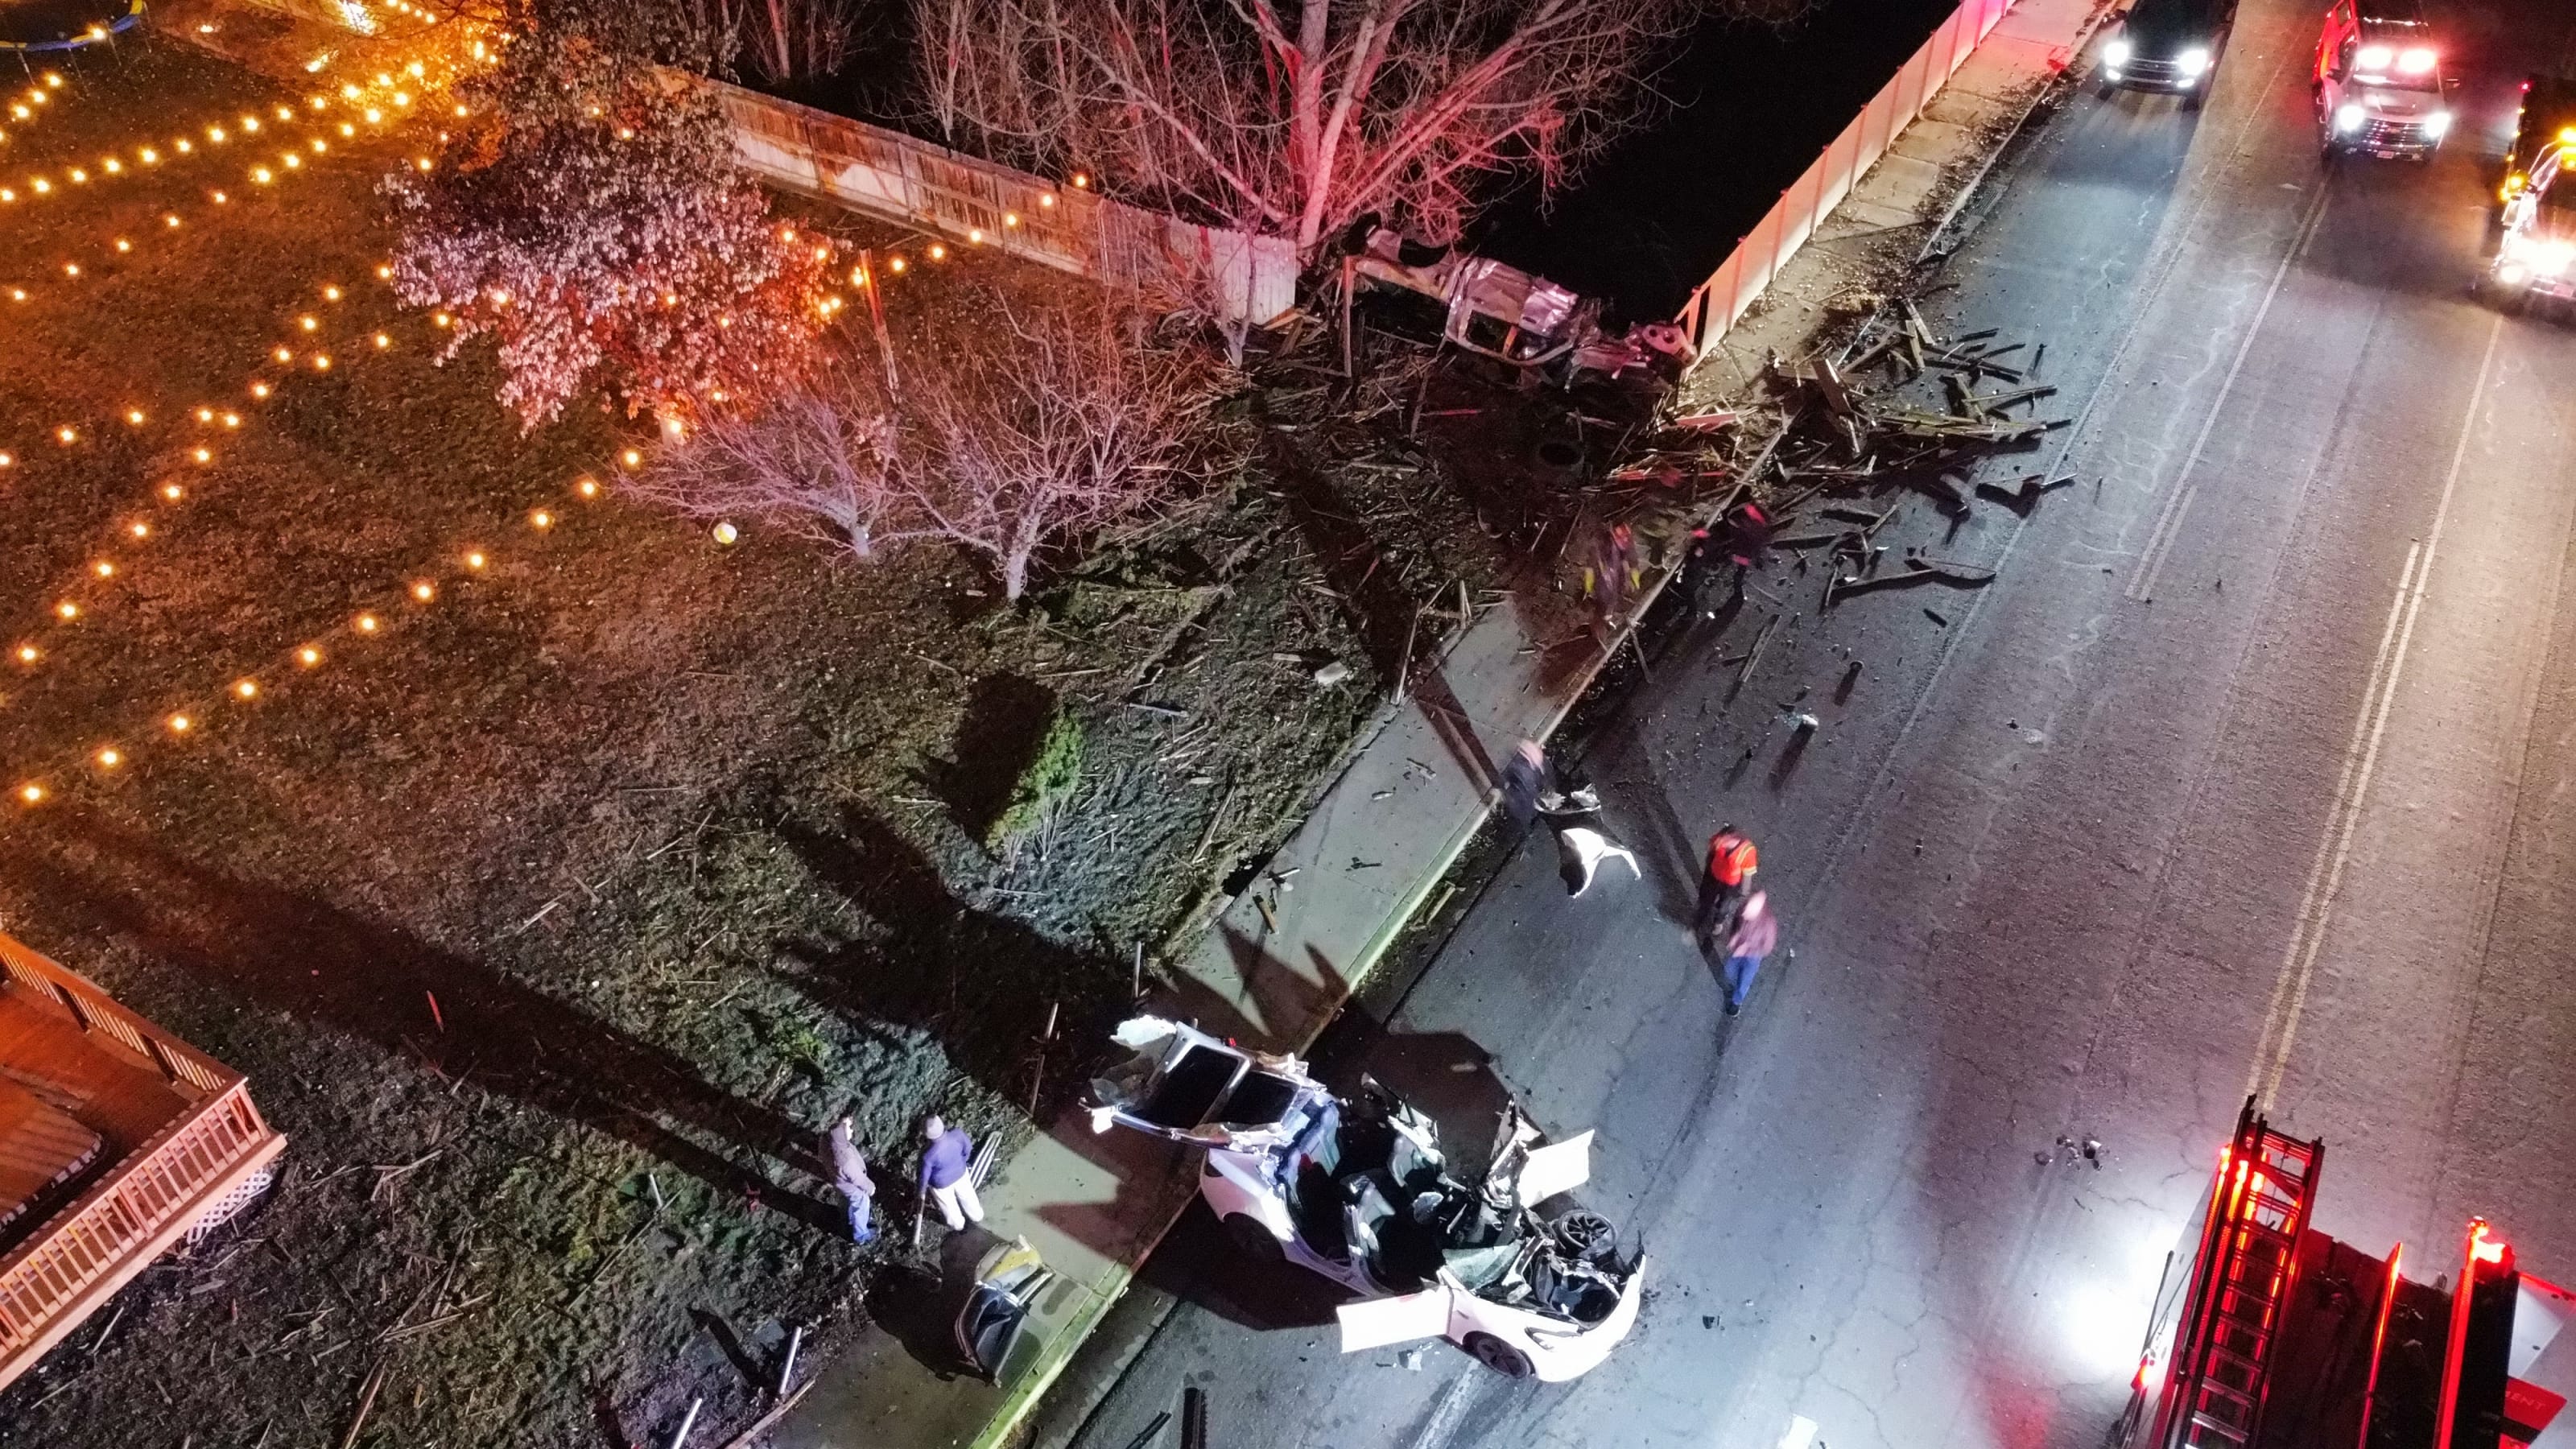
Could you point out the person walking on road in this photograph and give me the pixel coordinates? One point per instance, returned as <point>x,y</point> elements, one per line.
<point>947,1173</point>
<point>1756,932</point>
<point>850,1175</point>
<point>1732,861</point>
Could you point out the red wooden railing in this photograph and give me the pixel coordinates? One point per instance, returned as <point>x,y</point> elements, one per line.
<point>193,1167</point>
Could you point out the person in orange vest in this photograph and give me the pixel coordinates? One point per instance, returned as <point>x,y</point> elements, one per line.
<point>1732,861</point>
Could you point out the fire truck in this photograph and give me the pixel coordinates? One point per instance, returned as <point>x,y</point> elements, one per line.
<point>2533,227</point>
<point>2268,1334</point>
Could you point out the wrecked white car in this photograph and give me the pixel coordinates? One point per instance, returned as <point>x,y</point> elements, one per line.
<point>1359,1192</point>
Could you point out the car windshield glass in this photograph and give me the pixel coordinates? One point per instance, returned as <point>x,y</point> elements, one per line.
<point>1261,1101</point>
<point>2158,27</point>
<point>1188,1091</point>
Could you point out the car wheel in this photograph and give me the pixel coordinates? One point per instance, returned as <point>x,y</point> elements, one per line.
<point>1253,1238</point>
<point>1497,1355</point>
<point>2191,103</point>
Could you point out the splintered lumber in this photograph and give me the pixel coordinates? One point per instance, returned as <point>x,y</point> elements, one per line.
<point>1949,570</point>
<point>366,1402</point>
<point>1753,655</point>
<point>769,1421</point>
<point>2023,496</point>
<point>1943,490</point>
<point>1988,402</point>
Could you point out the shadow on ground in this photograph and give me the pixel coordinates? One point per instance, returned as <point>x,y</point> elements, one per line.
<point>285,952</point>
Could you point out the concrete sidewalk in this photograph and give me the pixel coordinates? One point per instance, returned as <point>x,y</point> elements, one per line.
<point>1273,971</point>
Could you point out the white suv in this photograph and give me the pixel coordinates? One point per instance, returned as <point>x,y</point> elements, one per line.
<point>2378,82</point>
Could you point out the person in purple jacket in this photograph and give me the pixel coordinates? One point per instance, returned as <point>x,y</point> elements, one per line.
<point>947,1173</point>
<point>1756,932</point>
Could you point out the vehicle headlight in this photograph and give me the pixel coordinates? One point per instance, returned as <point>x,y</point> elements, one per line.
<point>2115,52</point>
<point>2349,116</point>
<point>2437,124</point>
<point>2194,61</point>
<point>2512,273</point>
<point>2529,254</point>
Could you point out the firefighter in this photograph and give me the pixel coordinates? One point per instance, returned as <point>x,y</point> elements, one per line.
<point>1732,861</point>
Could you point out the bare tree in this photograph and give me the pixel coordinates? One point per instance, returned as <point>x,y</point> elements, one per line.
<point>1052,429</point>
<point>781,40</point>
<point>1076,426</point>
<point>1296,119</point>
<point>818,462</point>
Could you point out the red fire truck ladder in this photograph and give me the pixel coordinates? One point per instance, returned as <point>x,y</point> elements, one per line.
<point>2258,1208</point>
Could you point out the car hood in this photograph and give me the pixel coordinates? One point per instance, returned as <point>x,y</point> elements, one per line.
<point>2159,28</point>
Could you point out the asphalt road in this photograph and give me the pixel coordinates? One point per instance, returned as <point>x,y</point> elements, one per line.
<point>2256,771</point>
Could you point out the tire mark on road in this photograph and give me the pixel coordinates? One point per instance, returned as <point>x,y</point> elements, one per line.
<point>2361,759</point>
<point>2142,584</point>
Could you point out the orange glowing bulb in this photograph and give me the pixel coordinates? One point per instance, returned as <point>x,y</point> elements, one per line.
<point>475,559</point>
<point>173,492</point>
<point>32,793</point>
<point>308,656</point>
<point>366,623</point>
<point>29,654</point>
<point>180,724</point>
<point>134,416</point>
<point>541,519</point>
<point>246,688</point>
<point>424,591</point>
<point>202,455</point>
<point>104,569</point>
<point>67,610</point>
<point>110,758</point>
<point>139,529</point>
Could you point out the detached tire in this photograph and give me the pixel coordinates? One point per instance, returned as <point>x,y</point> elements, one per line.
<point>1497,1355</point>
<point>1254,1240</point>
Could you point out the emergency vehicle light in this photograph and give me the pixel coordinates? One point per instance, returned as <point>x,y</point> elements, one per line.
<point>2483,1249</point>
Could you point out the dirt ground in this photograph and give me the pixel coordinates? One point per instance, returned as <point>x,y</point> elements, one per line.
<point>553,916</point>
